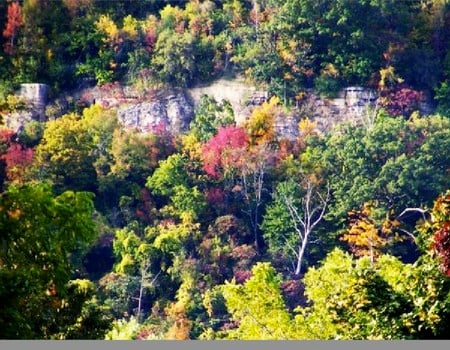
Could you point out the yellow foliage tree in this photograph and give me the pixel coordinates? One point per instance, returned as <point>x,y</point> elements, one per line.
<point>364,237</point>
<point>261,124</point>
<point>388,78</point>
<point>106,25</point>
<point>130,27</point>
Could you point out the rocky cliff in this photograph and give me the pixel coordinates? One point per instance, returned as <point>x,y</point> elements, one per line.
<point>35,99</point>
<point>173,109</point>
<point>173,112</point>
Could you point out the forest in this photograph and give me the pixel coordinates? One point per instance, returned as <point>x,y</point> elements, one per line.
<point>228,230</point>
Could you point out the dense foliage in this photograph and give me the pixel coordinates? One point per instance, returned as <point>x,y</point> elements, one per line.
<point>228,230</point>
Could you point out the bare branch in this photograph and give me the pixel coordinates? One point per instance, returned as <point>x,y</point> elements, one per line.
<point>408,233</point>
<point>424,212</point>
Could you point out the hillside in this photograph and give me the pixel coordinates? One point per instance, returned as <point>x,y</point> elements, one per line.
<point>222,170</point>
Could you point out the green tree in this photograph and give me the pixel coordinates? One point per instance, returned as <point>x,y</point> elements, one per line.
<point>350,35</point>
<point>170,173</point>
<point>66,155</point>
<point>209,116</point>
<point>134,266</point>
<point>174,58</point>
<point>396,164</point>
<point>39,57</point>
<point>388,299</point>
<point>355,302</point>
<point>39,232</point>
<point>258,306</point>
<point>100,124</point>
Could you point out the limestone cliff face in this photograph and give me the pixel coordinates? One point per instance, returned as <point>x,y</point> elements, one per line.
<point>173,110</point>
<point>173,113</point>
<point>240,95</point>
<point>351,105</point>
<point>35,97</point>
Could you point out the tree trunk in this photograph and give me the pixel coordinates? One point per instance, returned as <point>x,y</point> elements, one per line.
<point>301,252</point>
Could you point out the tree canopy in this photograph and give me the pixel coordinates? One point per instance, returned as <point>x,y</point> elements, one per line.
<point>233,228</point>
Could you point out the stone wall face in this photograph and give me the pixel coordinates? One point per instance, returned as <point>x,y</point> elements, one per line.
<point>350,106</point>
<point>174,113</point>
<point>173,110</point>
<point>234,91</point>
<point>37,96</point>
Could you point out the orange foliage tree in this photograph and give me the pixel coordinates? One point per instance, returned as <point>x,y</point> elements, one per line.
<point>364,236</point>
<point>441,227</point>
<point>14,21</point>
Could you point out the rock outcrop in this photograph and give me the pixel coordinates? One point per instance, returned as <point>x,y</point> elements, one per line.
<point>36,96</point>
<point>172,112</point>
<point>240,95</point>
<point>351,105</point>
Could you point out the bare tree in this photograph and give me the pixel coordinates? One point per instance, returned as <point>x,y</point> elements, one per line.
<point>252,178</point>
<point>145,282</point>
<point>306,216</point>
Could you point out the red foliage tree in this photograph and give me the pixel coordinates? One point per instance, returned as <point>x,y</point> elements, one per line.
<point>150,40</point>
<point>215,195</point>
<point>6,136</point>
<point>293,293</point>
<point>223,150</point>
<point>401,101</point>
<point>17,159</point>
<point>13,23</point>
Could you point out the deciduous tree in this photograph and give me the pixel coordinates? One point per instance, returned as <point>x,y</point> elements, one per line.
<point>65,155</point>
<point>290,221</point>
<point>39,232</point>
<point>13,23</point>
<point>258,306</point>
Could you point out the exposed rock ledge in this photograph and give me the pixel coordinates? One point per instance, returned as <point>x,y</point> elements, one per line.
<point>173,113</point>
<point>173,110</point>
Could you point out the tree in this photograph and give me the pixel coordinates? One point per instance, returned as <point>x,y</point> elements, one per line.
<point>38,57</point>
<point>14,22</point>
<point>253,170</point>
<point>401,101</point>
<point>224,250</point>
<point>364,237</point>
<point>93,321</point>
<point>14,156</point>
<point>290,221</point>
<point>261,124</point>
<point>442,97</point>
<point>174,58</point>
<point>440,228</point>
<point>354,301</point>
<point>209,116</point>
<point>100,124</point>
<point>219,157</point>
<point>39,232</point>
<point>66,155</point>
<point>385,299</point>
<point>135,259</point>
<point>396,164</point>
<point>258,306</point>
<point>133,158</point>
<point>170,174</point>
<point>17,158</point>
